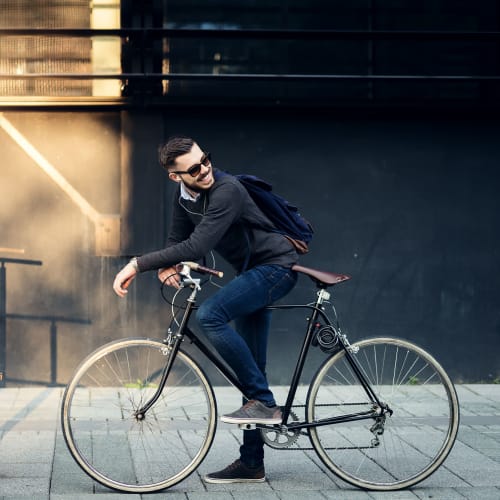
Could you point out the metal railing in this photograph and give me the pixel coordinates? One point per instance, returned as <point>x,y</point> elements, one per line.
<point>142,40</point>
<point>52,319</point>
<point>53,343</point>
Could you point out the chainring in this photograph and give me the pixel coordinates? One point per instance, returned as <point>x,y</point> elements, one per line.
<point>281,437</point>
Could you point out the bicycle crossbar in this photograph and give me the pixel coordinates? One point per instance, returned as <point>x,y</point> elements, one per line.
<point>316,313</point>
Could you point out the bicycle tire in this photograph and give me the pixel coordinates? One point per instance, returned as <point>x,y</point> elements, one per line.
<point>120,451</point>
<point>414,441</point>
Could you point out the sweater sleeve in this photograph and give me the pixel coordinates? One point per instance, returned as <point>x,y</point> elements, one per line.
<point>224,207</point>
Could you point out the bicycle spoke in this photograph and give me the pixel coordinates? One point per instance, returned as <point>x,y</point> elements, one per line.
<point>394,449</point>
<point>99,415</point>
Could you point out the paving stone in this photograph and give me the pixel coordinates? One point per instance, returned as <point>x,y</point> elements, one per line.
<point>34,460</point>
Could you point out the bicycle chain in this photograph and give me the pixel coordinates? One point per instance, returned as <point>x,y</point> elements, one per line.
<point>291,436</point>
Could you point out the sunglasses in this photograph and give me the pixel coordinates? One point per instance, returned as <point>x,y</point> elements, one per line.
<point>195,169</point>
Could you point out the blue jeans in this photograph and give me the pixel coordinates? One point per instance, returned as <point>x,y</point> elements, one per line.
<point>245,349</point>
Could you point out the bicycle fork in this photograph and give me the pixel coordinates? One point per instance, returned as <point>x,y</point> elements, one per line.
<point>172,346</point>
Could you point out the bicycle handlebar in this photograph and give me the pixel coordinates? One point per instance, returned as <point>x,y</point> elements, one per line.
<point>202,269</point>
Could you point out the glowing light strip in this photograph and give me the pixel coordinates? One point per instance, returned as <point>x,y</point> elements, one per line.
<point>49,169</point>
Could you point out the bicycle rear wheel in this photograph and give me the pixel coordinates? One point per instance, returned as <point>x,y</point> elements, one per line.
<point>114,447</point>
<point>407,446</point>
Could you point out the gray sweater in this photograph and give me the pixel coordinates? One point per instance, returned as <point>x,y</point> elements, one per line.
<point>225,219</point>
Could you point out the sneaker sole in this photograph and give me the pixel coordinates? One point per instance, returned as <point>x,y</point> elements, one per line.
<point>231,420</point>
<point>226,481</point>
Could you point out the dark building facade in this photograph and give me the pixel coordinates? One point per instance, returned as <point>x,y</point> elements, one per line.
<point>378,118</point>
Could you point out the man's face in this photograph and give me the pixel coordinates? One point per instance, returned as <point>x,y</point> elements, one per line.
<point>196,157</point>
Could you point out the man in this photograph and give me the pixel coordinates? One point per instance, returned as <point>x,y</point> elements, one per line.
<point>212,211</point>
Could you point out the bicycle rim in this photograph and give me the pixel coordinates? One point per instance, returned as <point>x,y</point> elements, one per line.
<point>412,443</point>
<point>120,451</point>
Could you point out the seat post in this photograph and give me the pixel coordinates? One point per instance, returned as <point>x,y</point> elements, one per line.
<point>323,296</point>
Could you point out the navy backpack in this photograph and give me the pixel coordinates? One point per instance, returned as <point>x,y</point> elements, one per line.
<point>284,216</point>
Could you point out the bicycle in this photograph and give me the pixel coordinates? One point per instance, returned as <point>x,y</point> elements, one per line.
<point>139,415</point>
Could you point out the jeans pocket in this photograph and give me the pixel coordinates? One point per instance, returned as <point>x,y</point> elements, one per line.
<point>284,280</point>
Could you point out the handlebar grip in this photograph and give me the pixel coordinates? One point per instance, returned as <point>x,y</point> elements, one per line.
<point>202,269</point>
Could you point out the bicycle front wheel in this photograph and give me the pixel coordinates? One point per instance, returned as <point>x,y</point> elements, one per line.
<point>127,453</point>
<point>400,449</point>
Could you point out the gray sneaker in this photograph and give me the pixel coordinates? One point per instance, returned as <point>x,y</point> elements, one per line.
<point>254,412</point>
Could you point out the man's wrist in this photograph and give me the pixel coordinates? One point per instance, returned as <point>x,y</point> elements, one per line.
<point>133,263</point>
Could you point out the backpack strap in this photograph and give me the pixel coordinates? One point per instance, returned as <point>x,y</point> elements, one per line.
<point>218,174</point>
<point>300,246</point>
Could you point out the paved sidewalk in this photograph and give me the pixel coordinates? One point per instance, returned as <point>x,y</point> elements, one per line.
<point>36,463</point>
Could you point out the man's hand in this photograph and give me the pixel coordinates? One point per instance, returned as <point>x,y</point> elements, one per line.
<point>169,276</point>
<point>123,280</point>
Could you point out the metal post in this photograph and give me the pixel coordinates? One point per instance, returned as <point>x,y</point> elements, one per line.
<point>3,309</point>
<point>3,322</point>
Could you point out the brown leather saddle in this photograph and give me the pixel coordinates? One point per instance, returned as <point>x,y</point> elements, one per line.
<point>323,279</point>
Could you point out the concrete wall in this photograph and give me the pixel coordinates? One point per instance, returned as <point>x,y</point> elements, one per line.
<point>407,205</point>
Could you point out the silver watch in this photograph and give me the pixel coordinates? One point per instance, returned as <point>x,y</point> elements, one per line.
<point>133,261</point>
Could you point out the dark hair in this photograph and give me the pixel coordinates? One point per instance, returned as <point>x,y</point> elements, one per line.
<point>175,146</point>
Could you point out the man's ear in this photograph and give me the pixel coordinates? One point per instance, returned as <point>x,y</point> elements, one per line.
<point>174,177</point>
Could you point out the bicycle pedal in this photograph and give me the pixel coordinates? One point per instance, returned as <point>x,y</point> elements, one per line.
<point>247,427</point>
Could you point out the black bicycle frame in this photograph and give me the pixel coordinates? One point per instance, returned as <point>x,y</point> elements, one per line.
<point>184,331</point>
